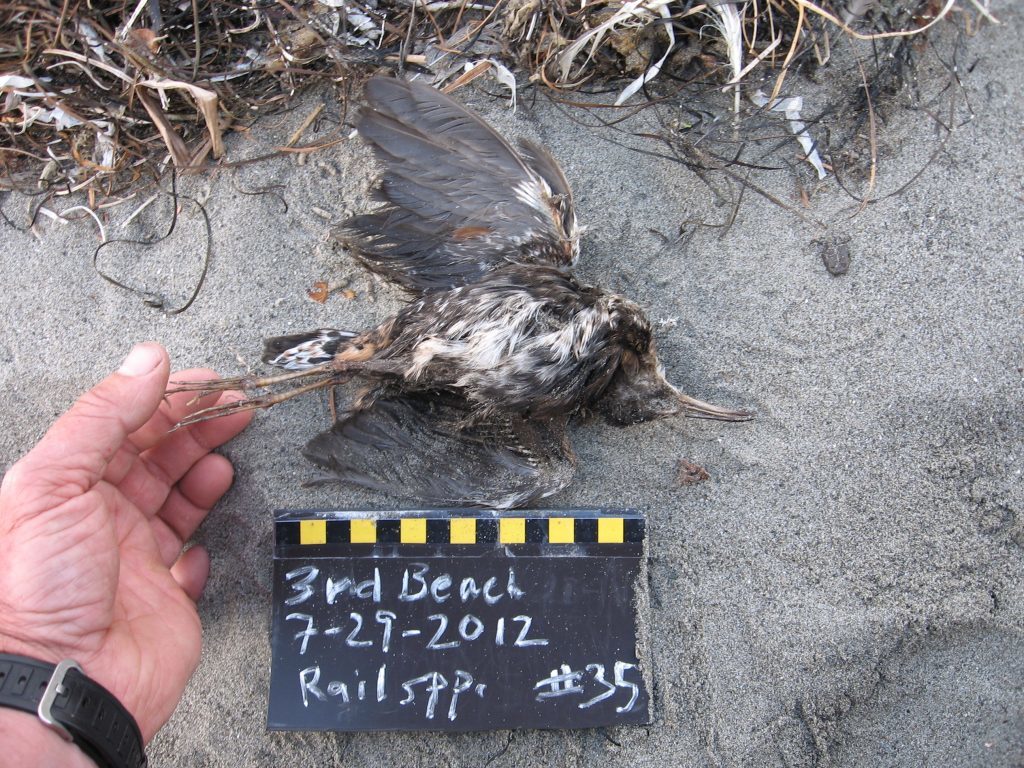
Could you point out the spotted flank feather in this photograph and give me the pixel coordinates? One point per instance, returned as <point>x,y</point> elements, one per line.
<point>302,351</point>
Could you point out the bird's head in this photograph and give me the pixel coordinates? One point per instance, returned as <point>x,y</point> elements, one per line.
<point>638,390</point>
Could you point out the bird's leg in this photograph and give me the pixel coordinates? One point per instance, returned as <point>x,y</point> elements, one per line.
<point>244,383</point>
<point>329,374</point>
<point>251,403</point>
<point>332,405</point>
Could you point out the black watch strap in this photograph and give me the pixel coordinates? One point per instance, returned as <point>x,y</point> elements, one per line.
<point>77,707</point>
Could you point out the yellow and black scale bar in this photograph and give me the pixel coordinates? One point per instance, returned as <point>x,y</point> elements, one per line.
<point>608,529</point>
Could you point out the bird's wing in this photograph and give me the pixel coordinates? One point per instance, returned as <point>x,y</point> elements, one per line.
<point>459,199</point>
<point>423,446</point>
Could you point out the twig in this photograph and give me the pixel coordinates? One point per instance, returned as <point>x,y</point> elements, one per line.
<point>139,210</point>
<point>103,231</point>
<point>294,138</point>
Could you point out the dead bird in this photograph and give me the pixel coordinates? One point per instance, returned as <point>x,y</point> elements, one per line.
<point>468,392</point>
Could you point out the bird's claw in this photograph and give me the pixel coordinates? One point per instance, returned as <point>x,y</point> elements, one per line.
<point>217,411</point>
<point>251,403</point>
<point>208,386</point>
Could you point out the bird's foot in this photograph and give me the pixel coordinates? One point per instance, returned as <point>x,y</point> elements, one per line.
<point>244,383</point>
<point>325,374</point>
<point>250,403</point>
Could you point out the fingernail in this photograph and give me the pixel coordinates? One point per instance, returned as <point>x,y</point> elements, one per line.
<point>141,360</point>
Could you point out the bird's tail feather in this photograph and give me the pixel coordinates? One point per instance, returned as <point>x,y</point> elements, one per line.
<point>302,351</point>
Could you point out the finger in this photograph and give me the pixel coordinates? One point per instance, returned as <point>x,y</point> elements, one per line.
<point>172,457</point>
<point>190,501</point>
<point>191,572</point>
<point>147,479</point>
<point>174,408</point>
<point>73,454</point>
<point>168,545</point>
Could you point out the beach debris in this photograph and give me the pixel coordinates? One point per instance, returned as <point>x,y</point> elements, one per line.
<point>727,18</point>
<point>318,292</point>
<point>835,254</point>
<point>93,92</point>
<point>689,473</point>
<point>655,68</point>
<point>791,107</point>
<point>473,69</point>
<point>154,298</point>
<point>322,289</point>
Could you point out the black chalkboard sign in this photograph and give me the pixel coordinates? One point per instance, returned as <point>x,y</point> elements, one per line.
<point>446,620</point>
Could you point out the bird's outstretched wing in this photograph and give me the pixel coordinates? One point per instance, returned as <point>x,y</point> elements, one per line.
<point>423,446</point>
<point>459,199</point>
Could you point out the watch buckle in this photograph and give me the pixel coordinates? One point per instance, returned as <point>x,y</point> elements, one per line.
<point>54,689</point>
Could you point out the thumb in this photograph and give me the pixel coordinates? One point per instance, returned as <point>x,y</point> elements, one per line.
<point>73,455</point>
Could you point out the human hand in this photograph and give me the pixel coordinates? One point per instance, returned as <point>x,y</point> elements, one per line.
<point>92,522</point>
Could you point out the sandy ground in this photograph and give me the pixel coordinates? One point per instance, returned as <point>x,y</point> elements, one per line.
<point>846,589</point>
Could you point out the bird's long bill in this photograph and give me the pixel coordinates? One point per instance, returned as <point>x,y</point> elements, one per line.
<point>698,409</point>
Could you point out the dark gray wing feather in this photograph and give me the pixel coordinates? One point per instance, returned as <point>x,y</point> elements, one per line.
<point>544,165</point>
<point>422,446</point>
<point>459,200</point>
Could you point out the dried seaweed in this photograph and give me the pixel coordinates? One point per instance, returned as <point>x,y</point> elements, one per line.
<point>149,298</point>
<point>102,96</point>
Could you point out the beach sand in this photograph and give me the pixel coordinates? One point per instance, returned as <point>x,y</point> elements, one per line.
<point>847,587</point>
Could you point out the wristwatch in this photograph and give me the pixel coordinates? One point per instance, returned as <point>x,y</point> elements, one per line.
<point>78,708</point>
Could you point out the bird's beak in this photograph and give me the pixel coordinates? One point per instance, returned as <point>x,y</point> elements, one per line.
<point>648,395</point>
<point>698,409</point>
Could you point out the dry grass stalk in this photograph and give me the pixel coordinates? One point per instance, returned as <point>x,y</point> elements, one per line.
<point>95,95</point>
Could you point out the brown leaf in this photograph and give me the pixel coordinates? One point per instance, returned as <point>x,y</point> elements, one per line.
<point>175,145</point>
<point>467,77</point>
<point>207,102</point>
<point>318,292</point>
<point>688,473</point>
<point>145,38</point>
